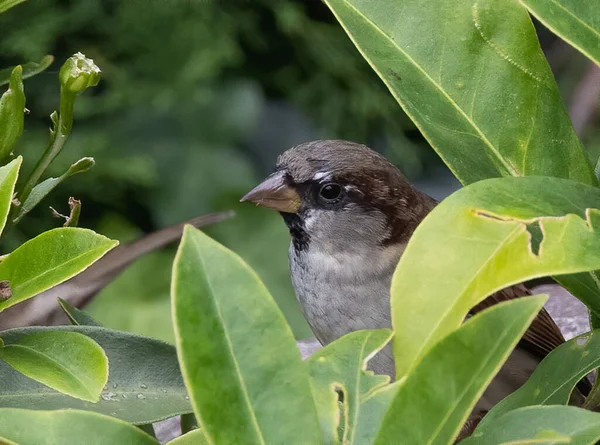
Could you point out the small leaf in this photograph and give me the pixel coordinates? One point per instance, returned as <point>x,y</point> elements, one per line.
<point>576,21</point>
<point>29,69</point>
<point>342,365</point>
<point>12,113</point>
<point>49,259</point>
<point>67,427</point>
<point>540,425</point>
<point>8,179</point>
<point>76,316</point>
<point>195,437</point>
<point>42,190</point>
<point>66,361</point>
<point>555,377</point>
<point>144,382</point>
<point>373,409</point>
<point>224,322</point>
<point>435,400</point>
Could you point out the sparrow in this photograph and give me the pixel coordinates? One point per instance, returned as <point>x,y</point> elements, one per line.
<point>350,213</point>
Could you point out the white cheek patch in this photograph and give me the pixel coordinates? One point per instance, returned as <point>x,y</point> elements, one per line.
<point>309,220</point>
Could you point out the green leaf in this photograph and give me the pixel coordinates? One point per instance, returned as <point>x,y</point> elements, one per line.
<point>555,377</point>
<point>67,427</point>
<point>195,437</point>
<point>49,259</point>
<point>576,21</point>
<point>12,113</point>
<point>225,322</point>
<point>29,69</point>
<point>76,316</point>
<point>42,190</point>
<point>490,220</point>
<point>473,78</point>
<point>8,179</point>
<point>7,4</point>
<point>373,409</point>
<point>438,396</point>
<point>66,361</point>
<point>144,382</point>
<point>335,367</point>
<point>531,425</point>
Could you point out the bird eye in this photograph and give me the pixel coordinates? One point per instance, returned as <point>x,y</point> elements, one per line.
<point>330,191</point>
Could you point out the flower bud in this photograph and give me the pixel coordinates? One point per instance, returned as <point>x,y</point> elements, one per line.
<point>78,73</point>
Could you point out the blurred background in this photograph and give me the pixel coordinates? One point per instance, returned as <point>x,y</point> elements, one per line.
<point>197,100</point>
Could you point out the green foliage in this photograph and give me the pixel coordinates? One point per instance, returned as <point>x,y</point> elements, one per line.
<point>12,112</point>
<point>66,361</point>
<point>472,76</point>
<point>487,221</point>
<point>335,366</point>
<point>223,341</point>
<point>454,88</point>
<point>50,259</point>
<point>541,425</point>
<point>67,427</point>
<point>575,21</point>
<point>76,316</point>
<point>144,383</point>
<point>554,379</point>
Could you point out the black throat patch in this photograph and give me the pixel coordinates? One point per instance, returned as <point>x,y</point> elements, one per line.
<point>295,224</point>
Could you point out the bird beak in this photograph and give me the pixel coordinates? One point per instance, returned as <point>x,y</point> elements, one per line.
<point>274,193</point>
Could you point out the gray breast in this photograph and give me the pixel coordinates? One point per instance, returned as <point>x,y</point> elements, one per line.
<point>346,292</point>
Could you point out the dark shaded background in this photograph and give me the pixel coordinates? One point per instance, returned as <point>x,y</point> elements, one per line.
<point>197,100</point>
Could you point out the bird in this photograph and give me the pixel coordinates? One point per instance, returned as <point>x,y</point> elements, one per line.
<point>350,213</point>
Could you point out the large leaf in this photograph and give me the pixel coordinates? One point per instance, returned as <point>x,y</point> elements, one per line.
<point>67,427</point>
<point>472,76</point>
<point>477,242</point>
<point>8,179</point>
<point>541,425</point>
<point>69,362</point>
<point>554,379</point>
<point>373,409</point>
<point>29,69</point>
<point>144,382</point>
<point>341,365</point>
<point>436,399</point>
<point>49,259</point>
<point>576,21</point>
<point>238,356</point>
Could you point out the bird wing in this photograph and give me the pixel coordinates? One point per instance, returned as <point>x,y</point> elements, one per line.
<point>542,336</point>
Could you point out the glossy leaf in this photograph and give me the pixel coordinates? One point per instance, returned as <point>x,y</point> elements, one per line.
<point>438,396</point>
<point>224,321</point>
<point>12,113</point>
<point>195,437</point>
<point>144,382</point>
<point>8,178</point>
<point>554,379</point>
<point>335,367</point>
<point>473,78</point>
<point>42,190</point>
<point>69,362</point>
<point>489,220</point>
<point>576,21</point>
<point>67,427</point>
<point>49,259</point>
<point>544,425</point>
<point>29,69</point>
<point>76,316</point>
